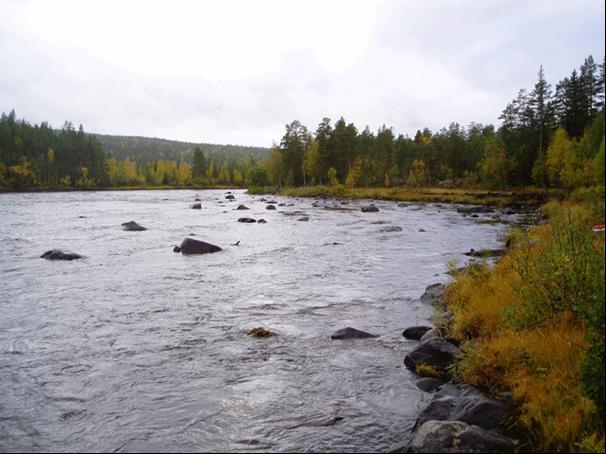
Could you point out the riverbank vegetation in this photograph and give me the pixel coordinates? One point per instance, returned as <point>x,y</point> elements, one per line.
<point>533,326</point>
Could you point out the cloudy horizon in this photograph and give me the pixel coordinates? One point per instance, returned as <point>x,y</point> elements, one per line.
<point>236,72</point>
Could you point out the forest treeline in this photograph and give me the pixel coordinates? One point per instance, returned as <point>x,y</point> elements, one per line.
<point>548,138</point>
<point>40,156</point>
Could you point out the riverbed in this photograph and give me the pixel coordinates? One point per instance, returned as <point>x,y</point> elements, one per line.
<point>137,348</point>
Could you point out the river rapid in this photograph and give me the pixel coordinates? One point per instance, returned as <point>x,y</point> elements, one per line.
<point>137,348</point>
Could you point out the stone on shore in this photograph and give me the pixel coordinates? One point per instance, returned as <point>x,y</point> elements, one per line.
<point>486,253</point>
<point>351,333</point>
<point>56,254</point>
<point>434,294</point>
<point>457,436</point>
<point>468,404</point>
<point>433,332</point>
<point>132,226</point>
<point>436,352</point>
<point>415,332</point>
<point>191,246</point>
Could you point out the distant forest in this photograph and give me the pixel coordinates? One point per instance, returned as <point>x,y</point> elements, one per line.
<point>39,156</point>
<point>547,138</point>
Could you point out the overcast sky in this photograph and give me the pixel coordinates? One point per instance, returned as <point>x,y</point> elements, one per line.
<point>238,71</point>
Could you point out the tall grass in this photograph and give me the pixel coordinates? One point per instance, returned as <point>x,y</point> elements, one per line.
<point>534,326</point>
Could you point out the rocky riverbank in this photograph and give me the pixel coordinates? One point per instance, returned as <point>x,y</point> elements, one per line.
<point>460,417</point>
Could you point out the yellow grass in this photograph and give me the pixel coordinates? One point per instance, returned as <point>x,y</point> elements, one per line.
<point>539,365</point>
<point>528,196</point>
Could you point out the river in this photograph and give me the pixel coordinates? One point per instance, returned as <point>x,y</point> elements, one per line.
<point>137,348</point>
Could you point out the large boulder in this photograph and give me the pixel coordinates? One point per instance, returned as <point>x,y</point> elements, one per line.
<point>56,254</point>
<point>457,436</point>
<point>191,246</point>
<point>415,332</point>
<point>369,209</point>
<point>351,333</point>
<point>468,404</point>
<point>436,352</point>
<point>247,220</point>
<point>132,226</point>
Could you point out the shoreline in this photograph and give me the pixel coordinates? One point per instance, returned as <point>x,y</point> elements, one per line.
<point>117,188</point>
<point>521,198</point>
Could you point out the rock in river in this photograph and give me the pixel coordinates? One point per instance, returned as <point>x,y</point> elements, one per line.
<point>246,220</point>
<point>270,207</point>
<point>369,209</point>
<point>351,333</point>
<point>230,197</point>
<point>415,332</point>
<point>132,226</point>
<point>436,352</point>
<point>191,246</point>
<point>242,207</point>
<point>197,206</point>
<point>56,254</point>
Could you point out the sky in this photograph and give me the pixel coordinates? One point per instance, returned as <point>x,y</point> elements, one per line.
<point>237,71</point>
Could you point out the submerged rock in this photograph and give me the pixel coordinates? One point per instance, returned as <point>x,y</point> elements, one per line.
<point>415,332</point>
<point>475,209</point>
<point>436,352</point>
<point>429,384</point>
<point>191,246</point>
<point>391,228</point>
<point>303,219</point>
<point>56,254</point>
<point>132,226</point>
<point>434,294</point>
<point>457,436</point>
<point>247,220</point>
<point>351,333</point>
<point>369,209</point>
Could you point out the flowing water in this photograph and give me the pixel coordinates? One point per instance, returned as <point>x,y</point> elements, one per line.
<point>137,348</point>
